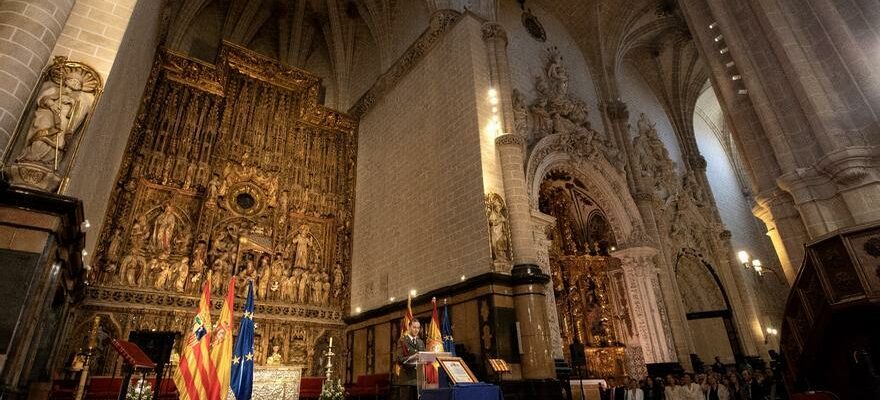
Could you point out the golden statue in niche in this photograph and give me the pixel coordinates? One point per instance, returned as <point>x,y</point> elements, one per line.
<point>581,270</point>
<point>232,169</point>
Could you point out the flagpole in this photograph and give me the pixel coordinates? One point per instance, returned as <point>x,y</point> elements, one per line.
<point>93,342</point>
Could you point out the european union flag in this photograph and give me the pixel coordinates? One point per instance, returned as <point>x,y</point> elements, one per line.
<point>446,332</point>
<point>243,356</point>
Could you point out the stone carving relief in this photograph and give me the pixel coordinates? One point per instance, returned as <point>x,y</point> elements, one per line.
<point>499,232</point>
<point>48,139</point>
<point>655,167</point>
<point>559,114</point>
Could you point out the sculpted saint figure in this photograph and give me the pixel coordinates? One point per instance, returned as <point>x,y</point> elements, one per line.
<point>286,288</point>
<point>277,276</point>
<point>182,272</point>
<point>338,280</point>
<point>265,279</point>
<point>248,274</point>
<point>139,232</point>
<point>115,244</point>
<point>275,358</point>
<point>302,241</point>
<point>162,271</point>
<point>221,271</point>
<point>295,278</point>
<point>163,231</point>
<point>497,229</point>
<point>63,103</point>
<point>325,289</point>
<point>131,269</point>
<point>304,282</point>
<point>317,286</point>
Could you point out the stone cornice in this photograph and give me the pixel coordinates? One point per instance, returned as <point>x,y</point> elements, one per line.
<point>442,22</point>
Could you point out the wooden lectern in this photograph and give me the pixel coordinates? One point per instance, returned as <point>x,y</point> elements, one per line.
<point>421,359</point>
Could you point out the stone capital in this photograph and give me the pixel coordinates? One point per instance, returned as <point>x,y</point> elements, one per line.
<point>510,139</point>
<point>851,166</point>
<point>493,31</point>
<point>697,162</point>
<point>615,109</point>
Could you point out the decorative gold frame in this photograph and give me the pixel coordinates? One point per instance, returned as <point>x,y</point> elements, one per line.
<point>448,362</point>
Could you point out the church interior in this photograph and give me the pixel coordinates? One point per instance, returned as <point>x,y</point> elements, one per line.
<point>599,196</point>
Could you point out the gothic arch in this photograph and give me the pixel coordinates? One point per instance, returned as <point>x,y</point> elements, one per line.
<point>606,185</point>
<point>692,272</point>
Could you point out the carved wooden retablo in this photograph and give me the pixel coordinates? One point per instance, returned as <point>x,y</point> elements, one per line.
<point>235,169</point>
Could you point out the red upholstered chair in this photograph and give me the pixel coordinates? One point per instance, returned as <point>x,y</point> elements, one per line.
<point>815,395</point>
<point>310,387</point>
<point>371,387</point>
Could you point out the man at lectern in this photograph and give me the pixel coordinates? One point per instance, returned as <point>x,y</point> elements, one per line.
<point>405,382</point>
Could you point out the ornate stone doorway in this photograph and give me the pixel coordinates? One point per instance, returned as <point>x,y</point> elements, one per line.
<point>708,311</point>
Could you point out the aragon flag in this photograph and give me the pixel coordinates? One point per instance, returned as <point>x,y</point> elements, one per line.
<point>221,344</point>
<point>196,377</point>
<point>404,328</point>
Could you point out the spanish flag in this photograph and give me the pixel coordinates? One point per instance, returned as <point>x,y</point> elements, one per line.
<point>221,343</point>
<point>435,343</point>
<point>196,377</point>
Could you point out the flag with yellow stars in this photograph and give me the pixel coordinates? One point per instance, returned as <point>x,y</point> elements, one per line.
<point>196,377</point>
<point>221,343</point>
<point>243,355</point>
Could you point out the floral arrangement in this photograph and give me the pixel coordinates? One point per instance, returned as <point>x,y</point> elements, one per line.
<point>140,391</point>
<point>332,390</point>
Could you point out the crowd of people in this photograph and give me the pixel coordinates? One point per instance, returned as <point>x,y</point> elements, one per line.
<point>719,382</point>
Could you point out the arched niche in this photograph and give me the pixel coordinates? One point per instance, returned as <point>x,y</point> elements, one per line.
<point>605,184</point>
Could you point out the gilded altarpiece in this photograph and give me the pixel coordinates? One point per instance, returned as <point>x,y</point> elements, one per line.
<point>235,169</point>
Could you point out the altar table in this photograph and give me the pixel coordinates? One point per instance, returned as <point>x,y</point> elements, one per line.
<point>275,382</point>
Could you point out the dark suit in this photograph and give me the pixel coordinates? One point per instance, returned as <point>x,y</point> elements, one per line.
<point>406,381</point>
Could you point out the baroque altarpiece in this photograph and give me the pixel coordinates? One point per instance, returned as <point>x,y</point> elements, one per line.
<point>232,169</point>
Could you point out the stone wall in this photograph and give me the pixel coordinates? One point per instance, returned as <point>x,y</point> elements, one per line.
<point>95,31</point>
<point>28,32</point>
<point>419,216</point>
<point>95,168</point>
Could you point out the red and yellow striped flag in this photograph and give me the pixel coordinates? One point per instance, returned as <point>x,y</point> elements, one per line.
<point>221,344</point>
<point>435,344</point>
<point>196,377</point>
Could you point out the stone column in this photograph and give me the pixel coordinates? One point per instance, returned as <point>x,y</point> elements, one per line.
<point>647,308</point>
<point>31,28</point>
<point>529,280</point>
<point>785,229</point>
<point>542,223</point>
